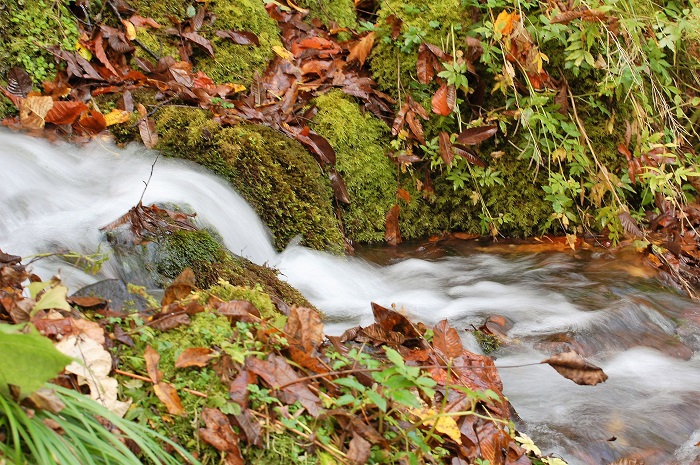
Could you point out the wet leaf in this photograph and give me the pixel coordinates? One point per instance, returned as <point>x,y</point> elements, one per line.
<point>239,37</point>
<point>53,298</point>
<point>340,190</point>
<point>395,24</point>
<point>92,121</point>
<point>181,287</point>
<point>121,336</point>
<point>277,372</point>
<point>403,194</point>
<point>358,449</point>
<point>19,83</point>
<point>392,234</point>
<point>199,40</point>
<point>147,131</point>
<point>474,136</point>
<point>440,104</point>
<point>304,325</point>
<point>446,425</point>
<point>393,321</point>
<point>195,357</point>
<point>33,110</point>
<point>361,49</point>
<point>238,389</point>
<point>630,224</point>
<point>574,367</point>
<point>446,151</point>
<point>64,112</point>
<point>87,301</point>
<point>116,116</point>
<point>377,335</point>
<point>416,126</point>
<point>446,340</point>
<point>168,395</point>
<point>168,321</point>
<point>152,358</point>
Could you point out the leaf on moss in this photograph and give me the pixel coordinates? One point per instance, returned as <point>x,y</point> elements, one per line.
<point>440,103</point>
<point>152,359</point>
<point>19,83</point>
<point>195,357</point>
<point>168,395</point>
<point>239,37</point>
<point>340,190</point>
<point>392,234</point>
<point>447,152</point>
<point>361,49</point>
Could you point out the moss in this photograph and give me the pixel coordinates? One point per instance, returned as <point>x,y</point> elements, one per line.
<point>211,263</point>
<point>275,174</point>
<point>430,21</point>
<point>340,12</point>
<point>255,295</point>
<point>27,28</point>
<point>231,62</point>
<point>360,141</point>
<point>283,449</point>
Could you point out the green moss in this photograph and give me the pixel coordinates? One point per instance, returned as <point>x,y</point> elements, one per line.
<point>231,62</point>
<point>275,174</point>
<point>211,263</point>
<point>430,21</point>
<point>340,12</point>
<point>360,141</point>
<point>255,295</point>
<point>27,28</point>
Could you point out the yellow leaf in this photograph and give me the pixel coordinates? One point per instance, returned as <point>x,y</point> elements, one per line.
<point>528,444</point>
<point>116,117</point>
<point>33,110</point>
<point>505,22</point>
<point>283,52</point>
<point>83,51</point>
<point>130,29</point>
<point>443,424</point>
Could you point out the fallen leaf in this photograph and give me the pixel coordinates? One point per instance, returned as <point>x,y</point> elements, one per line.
<point>238,389</point>
<point>446,340</point>
<point>304,325</point>
<point>221,436</point>
<point>468,155</point>
<point>168,395</point>
<point>46,399</point>
<point>251,427</point>
<point>505,22</point>
<point>440,103</point>
<point>340,190</point>
<point>395,23</point>
<point>117,116</point>
<point>239,37</point>
<point>53,298</point>
<point>239,310</point>
<point>195,357</point>
<point>87,301</point>
<point>181,287</point>
<point>447,152</point>
<point>445,424</point>
<point>92,121</point>
<point>403,194</point>
<point>392,234</point>
<point>358,449</point>
<point>33,110</point>
<point>277,372</point>
<point>19,83</point>
<point>199,40</point>
<point>574,367</point>
<point>168,321</point>
<point>152,358</point>
<point>361,49</point>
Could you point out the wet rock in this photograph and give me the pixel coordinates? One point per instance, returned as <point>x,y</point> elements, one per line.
<point>114,291</point>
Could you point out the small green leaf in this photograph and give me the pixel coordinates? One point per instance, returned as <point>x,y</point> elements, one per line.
<point>345,400</point>
<point>405,397</point>
<point>394,357</point>
<point>378,400</point>
<point>351,383</point>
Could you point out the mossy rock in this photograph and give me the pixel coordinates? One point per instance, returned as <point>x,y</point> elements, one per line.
<point>212,263</point>
<point>340,12</point>
<point>231,62</point>
<point>432,22</point>
<point>274,173</point>
<point>27,28</point>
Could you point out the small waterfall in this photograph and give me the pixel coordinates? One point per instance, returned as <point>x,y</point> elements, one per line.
<point>56,197</point>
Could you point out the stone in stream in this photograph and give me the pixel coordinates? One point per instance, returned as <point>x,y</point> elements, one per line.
<point>115,291</point>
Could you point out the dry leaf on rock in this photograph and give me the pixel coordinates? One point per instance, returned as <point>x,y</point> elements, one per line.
<point>94,369</point>
<point>574,367</point>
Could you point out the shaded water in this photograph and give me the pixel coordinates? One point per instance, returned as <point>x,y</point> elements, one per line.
<point>646,338</point>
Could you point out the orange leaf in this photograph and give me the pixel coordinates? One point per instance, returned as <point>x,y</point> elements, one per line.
<point>361,49</point>
<point>505,22</point>
<point>65,112</point>
<point>168,395</point>
<point>92,121</point>
<point>446,340</point>
<point>117,116</point>
<point>195,357</point>
<point>440,102</point>
<point>403,194</point>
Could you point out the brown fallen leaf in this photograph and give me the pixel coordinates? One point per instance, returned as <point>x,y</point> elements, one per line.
<point>361,49</point>
<point>33,110</point>
<point>443,100</point>
<point>574,367</point>
<point>473,136</point>
<point>64,112</point>
<point>392,234</point>
<point>195,357</point>
<point>166,322</point>
<point>304,325</point>
<point>86,301</point>
<point>340,190</point>
<point>168,395</point>
<point>239,310</point>
<point>181,287</point>
<point>221,436</point>
<point>251,427</point>
<point>238,389</point>
<point>447,152</point>
<point>239,37</point>
<point>152,358</point>
<point>446,340</point>
<point>359,449</point>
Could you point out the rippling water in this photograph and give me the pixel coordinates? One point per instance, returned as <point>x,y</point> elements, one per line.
<point>646,338</point>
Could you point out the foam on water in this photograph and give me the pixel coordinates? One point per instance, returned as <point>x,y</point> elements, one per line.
<point>56,197</point>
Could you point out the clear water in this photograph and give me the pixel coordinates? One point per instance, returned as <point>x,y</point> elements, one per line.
<point>646,338</point>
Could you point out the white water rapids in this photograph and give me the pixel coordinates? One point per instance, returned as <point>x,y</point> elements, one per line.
<point>647,339</point>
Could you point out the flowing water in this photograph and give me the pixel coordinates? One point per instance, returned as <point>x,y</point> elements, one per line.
<point>55,197</point>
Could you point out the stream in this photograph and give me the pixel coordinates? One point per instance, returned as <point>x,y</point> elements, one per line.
<point>55,197</point>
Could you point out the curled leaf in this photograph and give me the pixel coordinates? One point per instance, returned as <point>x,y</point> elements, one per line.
<point>574,367</point>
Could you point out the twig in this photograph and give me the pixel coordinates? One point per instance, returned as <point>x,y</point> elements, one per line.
<point>144,378</point>
<point>149,178</point>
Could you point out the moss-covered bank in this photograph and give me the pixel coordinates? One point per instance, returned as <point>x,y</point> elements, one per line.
<point>279,178</point>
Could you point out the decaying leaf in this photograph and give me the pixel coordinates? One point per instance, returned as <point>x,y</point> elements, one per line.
<point>304,325</point>
<point>574,367</point>
<point>195,357</point>
<point>340,190</point>
<point>220,435</point>
<point>359,449</point>
<point>239,37</point>
<point>474,136</point>
<point>152,359</point>
<point>239,310</point>
<point>443,101</point>
<point>361,49</point>
<point>33,110</point>
<point>446,150</point>
<point>19,83</point>
<point>446,340</point>
<point>445,425</point>
<point>181,287</point>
